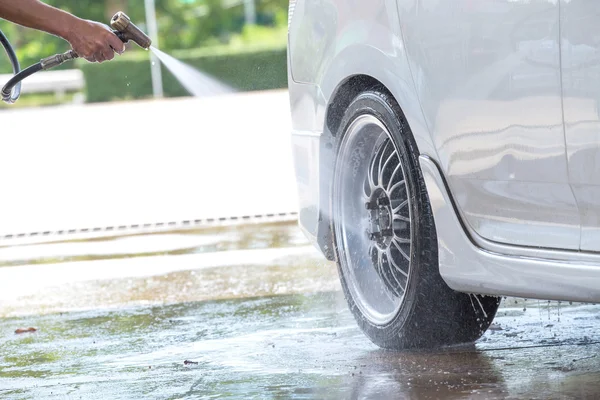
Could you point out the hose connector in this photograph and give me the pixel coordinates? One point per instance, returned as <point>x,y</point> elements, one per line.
<point>57,59</point>
<point>7,95</point>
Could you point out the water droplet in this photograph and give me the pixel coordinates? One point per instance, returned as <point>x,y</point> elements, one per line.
<point>128,83</point>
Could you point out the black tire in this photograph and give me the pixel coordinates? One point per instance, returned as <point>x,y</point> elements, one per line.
<point>429,314</point>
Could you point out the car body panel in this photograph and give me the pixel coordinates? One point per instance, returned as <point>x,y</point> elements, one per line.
<point>488,76</point>
<point>580,49</point>
<point>487,120</point>
<point>466,267</point>
<point>305,140</point>
<point>331,41</point>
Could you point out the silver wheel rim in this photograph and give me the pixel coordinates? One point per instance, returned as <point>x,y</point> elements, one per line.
<point>372,219</point>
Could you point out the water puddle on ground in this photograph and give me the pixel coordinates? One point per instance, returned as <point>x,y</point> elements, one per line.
<point>288,346</point>
<point>159,280</point>
<point>249,312</point>
<point>179,266</point>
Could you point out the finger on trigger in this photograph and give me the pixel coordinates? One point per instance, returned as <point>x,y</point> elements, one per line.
<point>116,44</point>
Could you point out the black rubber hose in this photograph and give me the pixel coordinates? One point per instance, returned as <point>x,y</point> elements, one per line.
<point>15,82</point>
<point>13,95</point>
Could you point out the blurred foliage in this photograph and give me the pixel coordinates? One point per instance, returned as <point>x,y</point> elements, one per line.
<point>128,77</point>
<point>182,24</point>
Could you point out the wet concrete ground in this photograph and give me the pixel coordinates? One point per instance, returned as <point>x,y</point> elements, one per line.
<point>257,313</point>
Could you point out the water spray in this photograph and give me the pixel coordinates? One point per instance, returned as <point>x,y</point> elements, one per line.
<point>122,27</point>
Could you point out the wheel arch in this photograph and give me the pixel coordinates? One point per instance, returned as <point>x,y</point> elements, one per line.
<point>344,94</point>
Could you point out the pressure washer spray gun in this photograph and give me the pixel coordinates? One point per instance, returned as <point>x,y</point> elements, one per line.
<point>122,27</point>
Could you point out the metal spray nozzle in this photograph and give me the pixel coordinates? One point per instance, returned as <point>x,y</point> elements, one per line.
<point>126,30</point>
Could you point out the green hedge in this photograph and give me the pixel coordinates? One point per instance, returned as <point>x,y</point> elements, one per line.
<point>128,76</point>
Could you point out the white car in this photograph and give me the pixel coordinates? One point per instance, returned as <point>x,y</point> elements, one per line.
<point>447,153</point>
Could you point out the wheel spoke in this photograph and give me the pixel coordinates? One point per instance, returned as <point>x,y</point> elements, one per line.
<point>396,186</point>
<point>397,267</point>
<point>381,153</point>
<point>381,269</point>
<point>400,207</point>
<point>398,167</point>
<point>391,286</point>
<point>370,176</point>
<point>385,167</point>
<point>382,166</point>
<point>398,217</point>
<point>385,164</point>
<point>378,266</point>
<point>400,250</point>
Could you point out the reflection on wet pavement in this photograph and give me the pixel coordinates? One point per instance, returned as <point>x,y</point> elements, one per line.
<point>116,283</point>
<point>271,324</point>
<point>190,241</point>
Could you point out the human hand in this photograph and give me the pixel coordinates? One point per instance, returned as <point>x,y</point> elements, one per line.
<point>94,41</point>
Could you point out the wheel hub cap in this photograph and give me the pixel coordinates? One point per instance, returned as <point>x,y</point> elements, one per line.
<point>381,219</point>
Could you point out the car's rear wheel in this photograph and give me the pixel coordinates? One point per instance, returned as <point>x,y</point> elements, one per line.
<point>385,238</point>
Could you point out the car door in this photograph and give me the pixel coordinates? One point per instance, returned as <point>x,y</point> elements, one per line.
<point>488,77</point>
<point>580,48</point>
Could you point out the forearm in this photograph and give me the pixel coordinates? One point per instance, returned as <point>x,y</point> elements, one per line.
<point>38,15</point>
<point>89,39</point>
